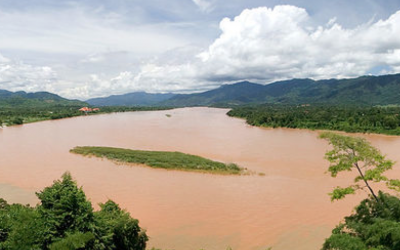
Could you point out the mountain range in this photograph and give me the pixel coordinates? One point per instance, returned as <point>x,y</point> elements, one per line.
<point>364,90</point>
<point>130,99</point>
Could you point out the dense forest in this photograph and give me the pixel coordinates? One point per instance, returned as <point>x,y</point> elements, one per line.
<point>65,219</point>
<point>382,120</point>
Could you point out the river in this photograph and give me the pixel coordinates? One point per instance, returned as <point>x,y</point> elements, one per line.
<point>287,207</point>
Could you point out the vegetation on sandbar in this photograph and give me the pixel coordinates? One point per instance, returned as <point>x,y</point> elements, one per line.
<point>160,159</point>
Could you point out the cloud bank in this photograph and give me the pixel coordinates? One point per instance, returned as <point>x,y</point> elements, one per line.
<point>18,76</point>
<point>261,44</point>
<point>269,44</point>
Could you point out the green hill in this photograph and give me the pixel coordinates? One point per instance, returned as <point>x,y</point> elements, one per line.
<point>38,99</point>
<point>239,93</point>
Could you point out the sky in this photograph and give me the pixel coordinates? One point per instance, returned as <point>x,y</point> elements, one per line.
<point>93,48</point>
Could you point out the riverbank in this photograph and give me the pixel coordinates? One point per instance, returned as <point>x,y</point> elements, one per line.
<point>18,116</point>
<point>371,120</point>
<point>161,159</point>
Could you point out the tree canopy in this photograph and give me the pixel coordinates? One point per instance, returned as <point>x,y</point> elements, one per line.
<point>381,120</point>
<point>65,219</point>
<point>375,225</point>
<point>355,153</point>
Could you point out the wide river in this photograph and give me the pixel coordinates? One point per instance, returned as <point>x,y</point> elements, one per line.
<point>287,208</point>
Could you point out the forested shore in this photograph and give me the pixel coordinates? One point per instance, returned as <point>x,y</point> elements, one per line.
<point>352,119</point>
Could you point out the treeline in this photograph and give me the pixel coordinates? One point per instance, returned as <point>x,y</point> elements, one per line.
<point>65,219</point>
<point>19,115</point>
<point>382,120</point>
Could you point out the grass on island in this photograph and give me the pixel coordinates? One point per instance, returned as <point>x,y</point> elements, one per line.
<point>160,159</point>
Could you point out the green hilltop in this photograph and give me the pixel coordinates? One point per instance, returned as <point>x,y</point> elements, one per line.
<point>10,99</point>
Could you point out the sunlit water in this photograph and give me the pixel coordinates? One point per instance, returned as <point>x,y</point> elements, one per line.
<point>287,208</point>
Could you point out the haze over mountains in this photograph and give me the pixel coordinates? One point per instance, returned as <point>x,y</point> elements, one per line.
<point>365,90</point>
<point>130,99</point>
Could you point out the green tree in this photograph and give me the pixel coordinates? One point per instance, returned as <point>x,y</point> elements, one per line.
<point>64,209</point>
<point>374,226</point>
<point>17,121</point>
<point>65,220</point>
<point>354,153</point>
<point>118,229</point>
<point>18,227</point>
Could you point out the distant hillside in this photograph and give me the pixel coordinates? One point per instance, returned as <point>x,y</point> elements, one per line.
<point>130,99</point>
<point>365,90</point>
<point>37,99</point>
<point>239,93</point>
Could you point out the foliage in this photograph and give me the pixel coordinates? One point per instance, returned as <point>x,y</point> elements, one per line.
<point>160,159</point>
<point>382,120</point>
<point>376,222</point>
<point>65,220</point>
<point>355,153</point>
<point>64,210</point>
<point>375,225</point>
<point>17,121</point>
<point>77,240</point>
<point>118,229</point>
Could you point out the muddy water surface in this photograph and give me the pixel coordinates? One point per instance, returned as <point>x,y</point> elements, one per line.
<point>287,208</point>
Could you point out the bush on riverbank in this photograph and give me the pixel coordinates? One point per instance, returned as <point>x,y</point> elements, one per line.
<point>374,225</point>
<point>65,220</point>
<point>160,159</point>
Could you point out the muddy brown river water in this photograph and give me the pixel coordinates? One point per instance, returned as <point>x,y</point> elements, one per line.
<point>287,208</point>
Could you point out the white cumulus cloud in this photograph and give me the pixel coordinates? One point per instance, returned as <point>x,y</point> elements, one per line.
<point>261,44</point>
<point>269,44</point>
<point>17,76</point>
